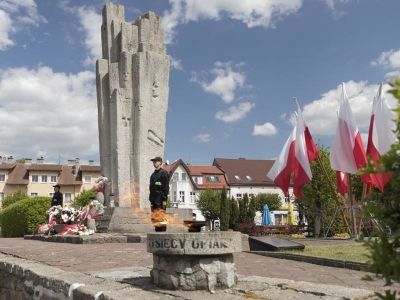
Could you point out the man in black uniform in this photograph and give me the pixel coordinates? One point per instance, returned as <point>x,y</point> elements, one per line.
<point>159,185</point>
<point>57,196</point>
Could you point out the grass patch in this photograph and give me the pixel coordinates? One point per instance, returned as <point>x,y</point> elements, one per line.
<point>356,253</point>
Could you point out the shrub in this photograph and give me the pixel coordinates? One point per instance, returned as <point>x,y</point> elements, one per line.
<point>24,216</point>
<point>13,198</point>
<point>84,198</point>
<point>273,200</point>
<point>209,203</point>
<point>225,211</point>
<point>234,213</point>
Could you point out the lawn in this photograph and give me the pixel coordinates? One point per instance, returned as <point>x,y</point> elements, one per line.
<point>355,253</point>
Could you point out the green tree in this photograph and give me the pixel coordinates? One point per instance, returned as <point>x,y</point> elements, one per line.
<point>318,200</point>
<point>251,213</point>
<point>243,209</point>
<point>273,201</point>
<point>385,208</point>
<point>225,211</point>
<point>84,198</point>
<point>234,217</point>
<point>13,198</point>
<point>209,203</point>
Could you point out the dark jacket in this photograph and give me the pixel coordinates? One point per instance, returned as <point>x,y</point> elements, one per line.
<point>57,199</point>
<point>159,186</point>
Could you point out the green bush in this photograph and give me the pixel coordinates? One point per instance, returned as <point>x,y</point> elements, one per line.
<point>225,211</point>
<point>273,200</point>
<point>234,213</point>
<point>13,198</point>
<point>84,198</point>
<point>209,203</point>
<point>24,216</point>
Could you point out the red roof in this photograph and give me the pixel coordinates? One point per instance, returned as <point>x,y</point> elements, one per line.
<point>200,170</point>
<point>248,172</point>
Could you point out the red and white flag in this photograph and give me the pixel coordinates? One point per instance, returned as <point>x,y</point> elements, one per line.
<point>341,183</point>
<point>306,152</point>
<point>347,152</point>
<point>380,137</point>
<point>284,165</point>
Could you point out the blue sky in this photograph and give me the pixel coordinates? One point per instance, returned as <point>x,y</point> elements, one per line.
<point>236,66</point>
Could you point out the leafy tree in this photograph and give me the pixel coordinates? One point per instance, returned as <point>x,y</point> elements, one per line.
<point>318,202</point>
<point>209,203</point>
<point>243,209</point>
<point>385,208</point>
<point>84,198</point>
<point>225,211</point>
<point>13,198</point>
<point>251,213</point>
<point>273,201</point>
<point>234,213</point>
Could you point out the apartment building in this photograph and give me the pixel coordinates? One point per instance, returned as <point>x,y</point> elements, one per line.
<point>37,179</point>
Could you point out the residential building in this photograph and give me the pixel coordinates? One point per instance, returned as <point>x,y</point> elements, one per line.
<point>250,176</point>
<point>37,179</point>
<point>188,181</point>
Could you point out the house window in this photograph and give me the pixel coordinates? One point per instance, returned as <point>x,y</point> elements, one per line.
<point>44,178</point>
<point>34,194</point>
<point>1,198</point>
<point>175,177</point>
<point>53,179</point>
<point>175,199</point>
<point>51,194</point>
<point>182,196</point>
<point>196,180</point>
<point>2,177</point>
<point>87,179</point>
<point>35,178</point>
<point>67,197</point>
<point>238,196</point>
<point>192,197</point>
<point>248,178</point>
<point>212,178</point>
<point>183,176</point>
<point>237,177</point>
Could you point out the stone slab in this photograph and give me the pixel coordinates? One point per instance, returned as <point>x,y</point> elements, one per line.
<point>266,243</point>
<point>202,243</point>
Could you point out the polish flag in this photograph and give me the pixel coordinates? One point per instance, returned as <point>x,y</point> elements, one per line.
<point>380,137</point>
<point>284,165</point>
<point>341,183</point>
<point>347,153</point>
<point>306,151</point>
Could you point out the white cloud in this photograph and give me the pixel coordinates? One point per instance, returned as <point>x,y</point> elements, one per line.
<point>253,13</point>
<point>333,6</point>
<point>176,63</point>
<point>14,16</point>
<point>227,79</point>
<point>389,60</point>
<point>43,111</point>
<point>235,112</point>
<point>321,115</point>
<point>91,22</point>
<point>203,138</point>
<point>264,129</point>
<point>5,30</point>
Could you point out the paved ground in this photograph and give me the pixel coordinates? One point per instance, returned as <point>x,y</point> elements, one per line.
<point>100,257</point>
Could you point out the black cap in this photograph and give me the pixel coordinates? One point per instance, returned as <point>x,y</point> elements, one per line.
<point>57,185</point>
<point>157,158</point>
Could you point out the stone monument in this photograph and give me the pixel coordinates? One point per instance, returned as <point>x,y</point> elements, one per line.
<point>194,261</point>
<point>132,97</point>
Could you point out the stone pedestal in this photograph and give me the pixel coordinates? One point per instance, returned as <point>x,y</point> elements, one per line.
<point>194,261</point>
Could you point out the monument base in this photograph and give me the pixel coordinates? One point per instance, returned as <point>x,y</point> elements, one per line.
<point>193,272</point>
<point>194,261</point>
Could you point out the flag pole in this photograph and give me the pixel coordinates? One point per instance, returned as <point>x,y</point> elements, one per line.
<point>334,192</point>
<point>351,198</point>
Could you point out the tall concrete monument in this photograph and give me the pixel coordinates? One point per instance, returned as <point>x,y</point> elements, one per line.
<point>132,95</point>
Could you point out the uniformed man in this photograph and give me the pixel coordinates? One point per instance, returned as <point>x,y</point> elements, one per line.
<point>57,196</point>
<point>159,185</point>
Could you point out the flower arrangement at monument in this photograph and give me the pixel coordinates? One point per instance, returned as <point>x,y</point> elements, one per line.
<point>71,221</point>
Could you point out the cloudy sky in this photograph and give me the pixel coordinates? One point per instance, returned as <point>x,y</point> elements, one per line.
<point>236,64</point>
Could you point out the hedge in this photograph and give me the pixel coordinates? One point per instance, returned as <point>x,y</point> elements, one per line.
<point>84,198</point>
<point>24,216</point>
<point>13,198</point>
